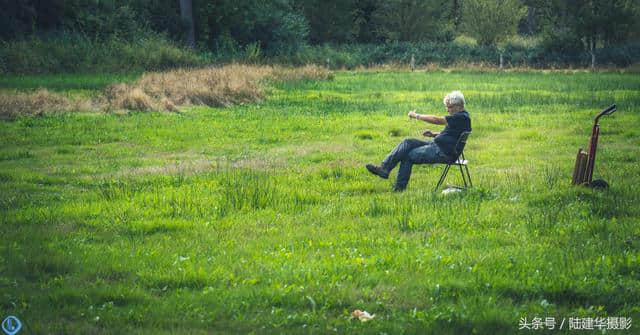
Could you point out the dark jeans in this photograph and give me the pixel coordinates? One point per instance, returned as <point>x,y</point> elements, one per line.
<point>412,151</point>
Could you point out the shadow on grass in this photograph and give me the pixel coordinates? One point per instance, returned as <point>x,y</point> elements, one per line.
<point>64,82</point>
<point>612,298</point>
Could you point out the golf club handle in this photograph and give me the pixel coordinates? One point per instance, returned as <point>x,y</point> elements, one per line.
<point>608,111</point>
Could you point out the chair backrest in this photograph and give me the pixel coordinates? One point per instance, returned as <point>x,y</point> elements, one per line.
<point>462,141</point>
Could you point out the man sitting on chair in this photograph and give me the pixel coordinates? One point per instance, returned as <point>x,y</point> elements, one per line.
<point>441,150</point>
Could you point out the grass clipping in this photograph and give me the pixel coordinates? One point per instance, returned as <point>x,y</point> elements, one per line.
<point>215,86</point>
<point>164,91</point>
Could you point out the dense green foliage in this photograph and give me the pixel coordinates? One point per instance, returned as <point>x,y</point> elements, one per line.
<point>412,20</point>
<point>261,31</point>
<point>351,56</point>
<point>75,53</point>
<point>576,22</point>
<point>492,21</point>
<point>95,19</point>
<point>262,217</point>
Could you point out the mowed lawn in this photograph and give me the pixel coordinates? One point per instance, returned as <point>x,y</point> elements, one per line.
<point>262,218</point>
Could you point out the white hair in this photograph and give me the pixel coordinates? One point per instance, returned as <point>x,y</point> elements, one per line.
<point>454,98</point>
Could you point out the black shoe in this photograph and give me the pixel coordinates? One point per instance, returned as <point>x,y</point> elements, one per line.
<point>378,171</point>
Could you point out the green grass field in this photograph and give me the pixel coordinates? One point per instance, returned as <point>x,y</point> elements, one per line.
<point>262,219</point>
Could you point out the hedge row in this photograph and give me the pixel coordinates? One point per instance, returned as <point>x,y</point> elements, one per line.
<point>69,53</point>
<point>73,53</point>
<point>350,56</point>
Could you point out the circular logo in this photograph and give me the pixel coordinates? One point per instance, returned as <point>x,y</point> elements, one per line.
<point>11,325</point>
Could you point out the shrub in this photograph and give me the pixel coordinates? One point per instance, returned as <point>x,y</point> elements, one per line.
<point>73,53</point>
<point>620,55</point>
<point>517,52</point>
<point>68,53</point>
<point>465,40</point>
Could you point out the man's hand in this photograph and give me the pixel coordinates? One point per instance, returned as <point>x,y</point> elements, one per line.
<point>429,133</point>
<point>413,115</point>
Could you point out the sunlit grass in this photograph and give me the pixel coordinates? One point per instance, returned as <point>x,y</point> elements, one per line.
<point>262,218</point>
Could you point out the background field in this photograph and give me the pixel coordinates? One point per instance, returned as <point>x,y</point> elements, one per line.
<point>261,218</point>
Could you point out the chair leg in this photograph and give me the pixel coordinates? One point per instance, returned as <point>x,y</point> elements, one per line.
<point>464,179</point>
<point>468,175</point>
<point>442,177</point>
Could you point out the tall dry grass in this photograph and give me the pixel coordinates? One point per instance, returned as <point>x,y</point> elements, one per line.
<point>40,102</point>
<point>166,91</point>
<point>214,86</point>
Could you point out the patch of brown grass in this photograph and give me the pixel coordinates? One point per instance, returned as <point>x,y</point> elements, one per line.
<point>40,102</point>
<point>164,91</point>
<point>126,97</point>
<point>214,86</point>
<point>307,72</point>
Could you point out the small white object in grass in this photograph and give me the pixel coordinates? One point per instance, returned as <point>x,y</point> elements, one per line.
<point>182,258</point>
<point>363,316</point>
<point>451,190</point>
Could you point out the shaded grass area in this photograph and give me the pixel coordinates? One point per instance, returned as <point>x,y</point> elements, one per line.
<point>262,218</point>
<point>64,82</point>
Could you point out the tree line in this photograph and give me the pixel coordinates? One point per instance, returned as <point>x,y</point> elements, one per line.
<point>281,27</point>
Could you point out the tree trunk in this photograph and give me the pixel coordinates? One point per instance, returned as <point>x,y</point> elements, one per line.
<point>455,15</point>
<point>186,13</point>
<point>592,47</point>
<point>501,60</point>
<point>531,24</point>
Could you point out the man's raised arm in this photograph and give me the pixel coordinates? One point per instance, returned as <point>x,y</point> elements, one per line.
<point>428,118</point>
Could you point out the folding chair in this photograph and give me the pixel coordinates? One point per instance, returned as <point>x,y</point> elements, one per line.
<point>460,161</point>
